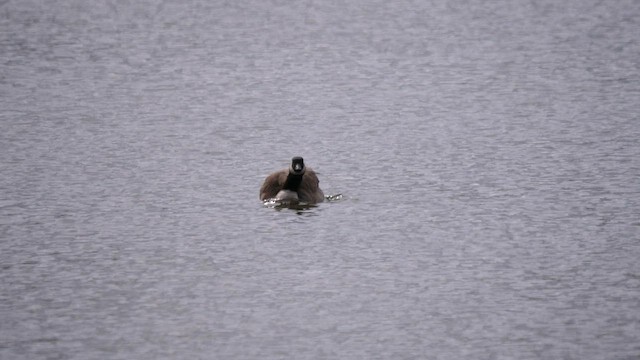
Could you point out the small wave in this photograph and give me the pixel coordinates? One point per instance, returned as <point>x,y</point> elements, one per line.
<point>294,205</point>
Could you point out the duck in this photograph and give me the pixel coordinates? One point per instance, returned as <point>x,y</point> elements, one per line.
<point>298,183</point>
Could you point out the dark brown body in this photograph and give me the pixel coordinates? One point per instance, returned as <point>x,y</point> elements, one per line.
<point>308,191</point>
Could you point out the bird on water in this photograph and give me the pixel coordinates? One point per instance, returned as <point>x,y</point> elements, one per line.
<point>298,183</point>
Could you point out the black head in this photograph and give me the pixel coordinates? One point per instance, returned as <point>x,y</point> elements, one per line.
<point>297,166</point>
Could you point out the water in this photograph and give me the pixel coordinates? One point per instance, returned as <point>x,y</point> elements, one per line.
<point>488,154</point>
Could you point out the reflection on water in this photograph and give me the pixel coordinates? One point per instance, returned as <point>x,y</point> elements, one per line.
<point>300,207</point>
<point>488,154</point>
<point>336,197</point>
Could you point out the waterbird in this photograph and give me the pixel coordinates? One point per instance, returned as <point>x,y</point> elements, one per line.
<point>298,183</point>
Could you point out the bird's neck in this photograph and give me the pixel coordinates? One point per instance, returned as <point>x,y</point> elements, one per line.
<point>293,182</point>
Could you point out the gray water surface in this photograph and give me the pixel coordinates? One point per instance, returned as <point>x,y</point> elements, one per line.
<point>488,154</point>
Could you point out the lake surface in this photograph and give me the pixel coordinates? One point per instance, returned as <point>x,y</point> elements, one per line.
<point>487,153</point>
